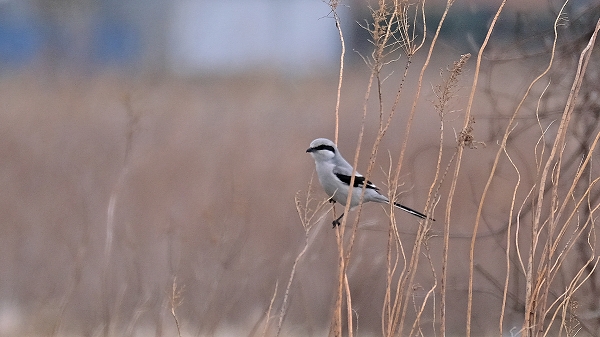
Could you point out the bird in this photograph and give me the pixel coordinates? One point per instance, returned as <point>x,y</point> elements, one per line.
<point>334,174</point>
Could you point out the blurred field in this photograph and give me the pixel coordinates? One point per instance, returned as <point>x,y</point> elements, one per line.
<point>203,174</point>
<point>207,195</point>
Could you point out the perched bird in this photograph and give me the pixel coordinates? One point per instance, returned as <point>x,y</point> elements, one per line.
<point>334,174</point>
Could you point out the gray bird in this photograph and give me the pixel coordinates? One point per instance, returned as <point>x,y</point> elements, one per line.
<point>334,174</point>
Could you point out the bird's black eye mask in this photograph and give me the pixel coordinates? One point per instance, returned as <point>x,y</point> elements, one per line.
<point>321,147</point>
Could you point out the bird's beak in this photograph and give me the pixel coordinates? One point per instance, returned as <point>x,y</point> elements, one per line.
<point>310,149</point>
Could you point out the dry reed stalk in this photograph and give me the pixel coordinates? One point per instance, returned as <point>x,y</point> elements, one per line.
<point>268,318</point>
<point>467,124</point>
<point>175,301</point>
<point>400,304</point>
<point>431,292</point>
<point>333,4</point>
<point>444,94</point>
<point>336,327</point>
<point>307,218</point>
<point>508,242</point>
<point>348,306</point>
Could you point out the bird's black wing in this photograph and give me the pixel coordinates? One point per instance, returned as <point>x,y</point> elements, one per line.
<point>359,181</point>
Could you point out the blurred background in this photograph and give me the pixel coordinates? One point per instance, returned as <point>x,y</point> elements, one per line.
<point>187,37</point>
<point>147,143</point>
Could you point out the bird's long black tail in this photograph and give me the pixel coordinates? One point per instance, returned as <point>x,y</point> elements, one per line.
<point>412,211</point>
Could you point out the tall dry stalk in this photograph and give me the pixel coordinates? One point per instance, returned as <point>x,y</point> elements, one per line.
<point>466,133</point>
<point>307,212</point>
<point>333,4</point>
<point>445,92</point>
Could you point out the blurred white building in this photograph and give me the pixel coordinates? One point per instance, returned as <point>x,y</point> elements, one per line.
<point>234,35</point>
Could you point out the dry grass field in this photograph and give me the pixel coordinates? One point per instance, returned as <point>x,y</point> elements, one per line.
<point>140,206</point>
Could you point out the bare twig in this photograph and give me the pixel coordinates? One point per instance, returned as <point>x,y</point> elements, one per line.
<point>175,301</point>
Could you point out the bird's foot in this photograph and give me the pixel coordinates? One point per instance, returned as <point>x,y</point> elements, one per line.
<point>336,222</point>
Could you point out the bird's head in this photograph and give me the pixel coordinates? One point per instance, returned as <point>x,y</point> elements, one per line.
<point>322,149</point>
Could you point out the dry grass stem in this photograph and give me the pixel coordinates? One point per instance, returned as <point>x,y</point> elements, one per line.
<point>467,124</point>
<point>333,4</point>
<point>175,301</point>
<point>268,318</point>
<point>308,218</point>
